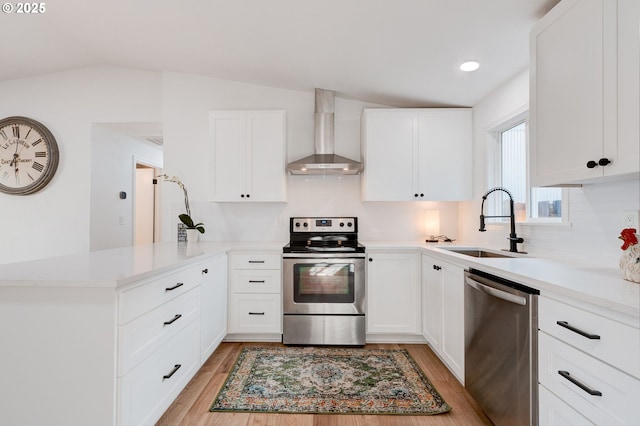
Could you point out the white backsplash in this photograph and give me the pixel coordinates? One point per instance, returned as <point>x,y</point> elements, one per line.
<point>591,235</point>
<point>321,196</point>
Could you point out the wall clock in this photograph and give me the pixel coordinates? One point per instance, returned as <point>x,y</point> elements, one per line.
<point>28,156</point>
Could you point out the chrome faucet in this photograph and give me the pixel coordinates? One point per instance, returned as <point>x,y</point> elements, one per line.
<point>513,238</point>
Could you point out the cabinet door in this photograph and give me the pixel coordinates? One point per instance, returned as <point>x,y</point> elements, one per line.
<point>390,139</point>
<point>445,154</point>
<point>627,149</point>
<point>229,154</point>
<point>266,162</point>
<point>393,293</point>
<point>432,302</point>
<point>569,97</point>
<point>453,318</point>
<point>213,311</point>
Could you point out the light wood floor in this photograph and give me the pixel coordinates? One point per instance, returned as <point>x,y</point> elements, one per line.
<point>192,405</point>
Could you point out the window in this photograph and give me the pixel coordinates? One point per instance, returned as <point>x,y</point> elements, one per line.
<point>530,204</point>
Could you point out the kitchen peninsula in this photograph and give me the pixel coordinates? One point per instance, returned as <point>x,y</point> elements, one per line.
<point>85,334</point>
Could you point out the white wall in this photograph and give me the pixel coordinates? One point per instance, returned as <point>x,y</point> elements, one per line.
<point>56,220</point>
<point>112,170</point>
<point>187,99</point>
<point>594,210</point>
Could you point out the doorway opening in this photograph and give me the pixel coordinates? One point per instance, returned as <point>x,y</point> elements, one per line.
<point>146,203</point>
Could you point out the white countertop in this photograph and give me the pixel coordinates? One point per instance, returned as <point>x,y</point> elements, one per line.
<point>106,268</point>
<point>116,267</point>
<point>603,287</point>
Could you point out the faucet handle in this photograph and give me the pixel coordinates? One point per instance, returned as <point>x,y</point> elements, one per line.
<point>482,226</point>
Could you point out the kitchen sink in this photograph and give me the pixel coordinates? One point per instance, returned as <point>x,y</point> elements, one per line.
<point>478,252</point>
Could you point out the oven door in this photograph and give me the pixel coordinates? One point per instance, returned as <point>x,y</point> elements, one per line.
<point>323,285</point>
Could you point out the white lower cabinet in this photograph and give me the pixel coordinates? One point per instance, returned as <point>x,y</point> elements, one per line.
<point>556,412</point>
<point>587,364</point>
<point>148,390</point>
<point>443,311</point>
<point>213,305</point>
<point>393,292</point>
<point>255,296</point>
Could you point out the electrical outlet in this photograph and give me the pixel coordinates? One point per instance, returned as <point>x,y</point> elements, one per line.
<point>630,219</point>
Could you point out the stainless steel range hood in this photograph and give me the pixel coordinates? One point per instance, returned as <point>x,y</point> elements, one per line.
<point>324,161</point>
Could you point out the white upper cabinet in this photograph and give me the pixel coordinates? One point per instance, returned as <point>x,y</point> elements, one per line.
<point>248,155</point>
<point>416,154</point>
<point>585,92</point>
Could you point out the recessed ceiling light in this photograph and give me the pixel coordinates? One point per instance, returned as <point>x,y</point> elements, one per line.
<point>470,66</point>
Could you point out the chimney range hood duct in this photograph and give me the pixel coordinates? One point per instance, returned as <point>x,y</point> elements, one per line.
<point>324,161</point>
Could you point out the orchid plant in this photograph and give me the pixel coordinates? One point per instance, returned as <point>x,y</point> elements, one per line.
<point>184,217</point>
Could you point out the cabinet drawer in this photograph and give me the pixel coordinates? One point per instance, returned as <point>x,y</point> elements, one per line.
<point>255,261</point>
<point>258,281</point>
<point>618,345</point>
<point>255,313</point>
<point>154,292</point>
<point>618,402</point>
<point>556,412</point>
<point>148,390</point>
<point>141,337</point>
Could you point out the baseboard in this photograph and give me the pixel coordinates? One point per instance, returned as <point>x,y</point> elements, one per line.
<point>253,338</point>
<point>396,338</point>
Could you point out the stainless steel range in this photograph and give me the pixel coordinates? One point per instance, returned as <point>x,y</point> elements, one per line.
<point>323,269</point>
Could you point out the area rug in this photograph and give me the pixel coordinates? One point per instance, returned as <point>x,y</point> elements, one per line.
<point>328,380</point>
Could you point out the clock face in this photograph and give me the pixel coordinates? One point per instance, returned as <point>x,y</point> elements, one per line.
<point>28,156</point>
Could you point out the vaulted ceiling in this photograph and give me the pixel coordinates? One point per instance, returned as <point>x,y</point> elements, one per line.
<point>402,53</point>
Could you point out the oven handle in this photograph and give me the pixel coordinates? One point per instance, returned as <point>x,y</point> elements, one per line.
<point>338,257</point>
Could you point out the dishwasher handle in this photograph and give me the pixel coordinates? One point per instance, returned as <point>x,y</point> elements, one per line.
<point>491,291</point>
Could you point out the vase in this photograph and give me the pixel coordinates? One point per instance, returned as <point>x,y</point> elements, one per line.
<point>193,235</point>
<point>630,264</point>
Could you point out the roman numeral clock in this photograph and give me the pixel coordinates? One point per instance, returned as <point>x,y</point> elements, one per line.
<point>28,156</point>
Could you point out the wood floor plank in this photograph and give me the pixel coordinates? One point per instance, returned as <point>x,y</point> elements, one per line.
<point>191,408</point>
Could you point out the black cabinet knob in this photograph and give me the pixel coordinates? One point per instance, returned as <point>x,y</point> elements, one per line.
<point>205,271</point>
<point>415,195</point>
<point>421,195</point>
<point>436,267</point>
<point>248,195</point>
<point>604,161</point>
<point>241,195</point>
<point>591,164</point>
<point>371,259</point>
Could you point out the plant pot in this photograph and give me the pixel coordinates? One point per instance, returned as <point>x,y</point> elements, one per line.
<point>193,235</point>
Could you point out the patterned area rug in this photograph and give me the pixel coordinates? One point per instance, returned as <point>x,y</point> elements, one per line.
<point>328,380</point>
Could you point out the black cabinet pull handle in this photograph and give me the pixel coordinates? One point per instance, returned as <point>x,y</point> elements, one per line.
<point>256,261</point>
<point>174,319</point>
<point>256,281</point>
<point>256,313</point>
<point>174,287</point>
<point>577,330</point>
<point>205,271</point>
<point>436,267</point>
<point>175,368</point>
<point>591,164</point>
<point>604,161</point>
<point>579,384</point>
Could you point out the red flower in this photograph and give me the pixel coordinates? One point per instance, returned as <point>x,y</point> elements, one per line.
<point>628,235</point>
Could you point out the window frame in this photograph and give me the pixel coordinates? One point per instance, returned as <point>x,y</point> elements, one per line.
<point>495,154</point>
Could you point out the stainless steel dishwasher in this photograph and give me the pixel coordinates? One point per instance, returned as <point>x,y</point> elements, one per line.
<point>501,348</point>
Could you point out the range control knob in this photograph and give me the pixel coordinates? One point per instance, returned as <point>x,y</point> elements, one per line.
<point>305,224</point>
<point>341,224</point>
<point>297,224</point>
<point>349,224</point>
